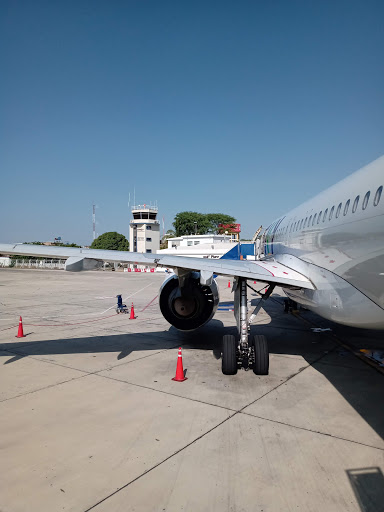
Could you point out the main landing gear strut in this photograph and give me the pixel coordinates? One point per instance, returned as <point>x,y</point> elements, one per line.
<point>245,351</point>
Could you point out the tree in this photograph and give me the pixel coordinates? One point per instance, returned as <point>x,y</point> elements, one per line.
<point>218,218</point>
<point>164,241</point>
<point>111,241</point>
<point>189,223</point>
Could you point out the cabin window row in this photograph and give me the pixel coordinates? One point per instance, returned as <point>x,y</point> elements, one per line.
<point>322,216</point>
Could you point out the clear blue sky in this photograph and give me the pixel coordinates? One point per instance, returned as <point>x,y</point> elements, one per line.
<point>246,108</point>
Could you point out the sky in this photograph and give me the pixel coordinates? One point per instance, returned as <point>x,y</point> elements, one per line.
<point>246,108</point>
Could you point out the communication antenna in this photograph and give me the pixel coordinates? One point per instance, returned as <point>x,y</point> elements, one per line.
<point>94,221</point>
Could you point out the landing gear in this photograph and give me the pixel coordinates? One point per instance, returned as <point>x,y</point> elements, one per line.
<point>229,358</point>
<point>245,351</point>
<point>289,305</point>
<point>261,354</point>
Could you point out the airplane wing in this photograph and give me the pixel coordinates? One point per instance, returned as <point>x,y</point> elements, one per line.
<point>268,271</point>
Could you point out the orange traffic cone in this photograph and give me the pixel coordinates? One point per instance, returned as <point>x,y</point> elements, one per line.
<point>179,377</point>
<point>229,284</point>
<point>20,333</point>
<point>132,315</point>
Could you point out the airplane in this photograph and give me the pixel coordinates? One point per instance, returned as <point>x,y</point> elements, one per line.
<point>327,255</point>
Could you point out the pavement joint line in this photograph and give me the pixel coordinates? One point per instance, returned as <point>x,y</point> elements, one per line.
<point>312,431</point>
<point>202,401</point>
<point>34,357</point>
<point>169,393</point>
<point>30,343</point>
<point>42,389</point>
<point>133,360</point>
<point>240,411</point>
<point>161,462</point>
<point>309,365</point>
<point>84,372</point>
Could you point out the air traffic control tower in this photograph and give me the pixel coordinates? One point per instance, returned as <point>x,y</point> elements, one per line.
<point>144,229</point>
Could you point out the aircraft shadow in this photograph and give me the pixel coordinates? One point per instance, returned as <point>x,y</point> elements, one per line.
<point>287,335</point>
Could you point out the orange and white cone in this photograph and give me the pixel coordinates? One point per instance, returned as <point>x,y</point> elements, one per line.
<point>132,315</point>
<point>20,333</point>
<point>229,284</point>
<point>179,377</point>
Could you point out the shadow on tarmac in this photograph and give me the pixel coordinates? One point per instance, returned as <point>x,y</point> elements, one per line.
<point>368,486</point>
<point>287,335</point>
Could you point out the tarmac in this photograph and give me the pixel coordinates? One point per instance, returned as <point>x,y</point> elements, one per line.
<point>92,420</point>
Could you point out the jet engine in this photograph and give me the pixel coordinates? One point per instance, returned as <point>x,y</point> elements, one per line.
<point>190,306</point>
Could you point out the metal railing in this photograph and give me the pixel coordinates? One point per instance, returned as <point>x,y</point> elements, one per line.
<point>51,264</point>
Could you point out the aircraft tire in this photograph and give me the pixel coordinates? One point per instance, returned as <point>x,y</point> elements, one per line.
<point>229,359</point>
<point>260,345</point>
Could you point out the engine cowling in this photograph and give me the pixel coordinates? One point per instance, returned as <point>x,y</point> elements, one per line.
<point>190,307</point>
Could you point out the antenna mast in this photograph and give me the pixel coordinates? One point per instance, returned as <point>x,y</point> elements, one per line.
<point>94,221</point>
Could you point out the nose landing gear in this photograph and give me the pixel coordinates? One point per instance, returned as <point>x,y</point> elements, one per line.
<point>245,352</point>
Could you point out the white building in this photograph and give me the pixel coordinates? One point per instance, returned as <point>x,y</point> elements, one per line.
<point>199,246</point>
<point>144,229</point>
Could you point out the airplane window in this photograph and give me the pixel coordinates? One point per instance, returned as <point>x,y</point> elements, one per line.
<point>338,210</point>
<point>331,212</point>
<point>355,203</point>
<point>309,222</point>
<point>314,219</point>
<point>378,196</point>
<point>325,215</point>
<point>319,217</point>
<point>366,199</point>
<point>346,207</point>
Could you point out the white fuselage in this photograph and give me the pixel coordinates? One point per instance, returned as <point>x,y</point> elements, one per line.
<point>337,240</point>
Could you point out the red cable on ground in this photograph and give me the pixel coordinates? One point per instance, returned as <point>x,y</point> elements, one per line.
<point>149,303</point>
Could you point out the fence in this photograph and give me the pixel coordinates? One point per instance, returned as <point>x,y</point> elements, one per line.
<point>51,264</point>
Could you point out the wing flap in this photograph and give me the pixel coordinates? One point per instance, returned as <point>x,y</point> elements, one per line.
<point>268,271</point>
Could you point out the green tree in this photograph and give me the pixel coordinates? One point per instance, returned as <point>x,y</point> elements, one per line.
<point>164,241</point>
<point>111,241</point>
<point>189,223</point>
<point>215,219</point>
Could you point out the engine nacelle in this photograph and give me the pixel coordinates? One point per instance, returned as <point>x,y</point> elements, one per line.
<point>190,307</point>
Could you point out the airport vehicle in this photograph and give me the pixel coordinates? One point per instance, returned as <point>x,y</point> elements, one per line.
<point>327,254</point>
